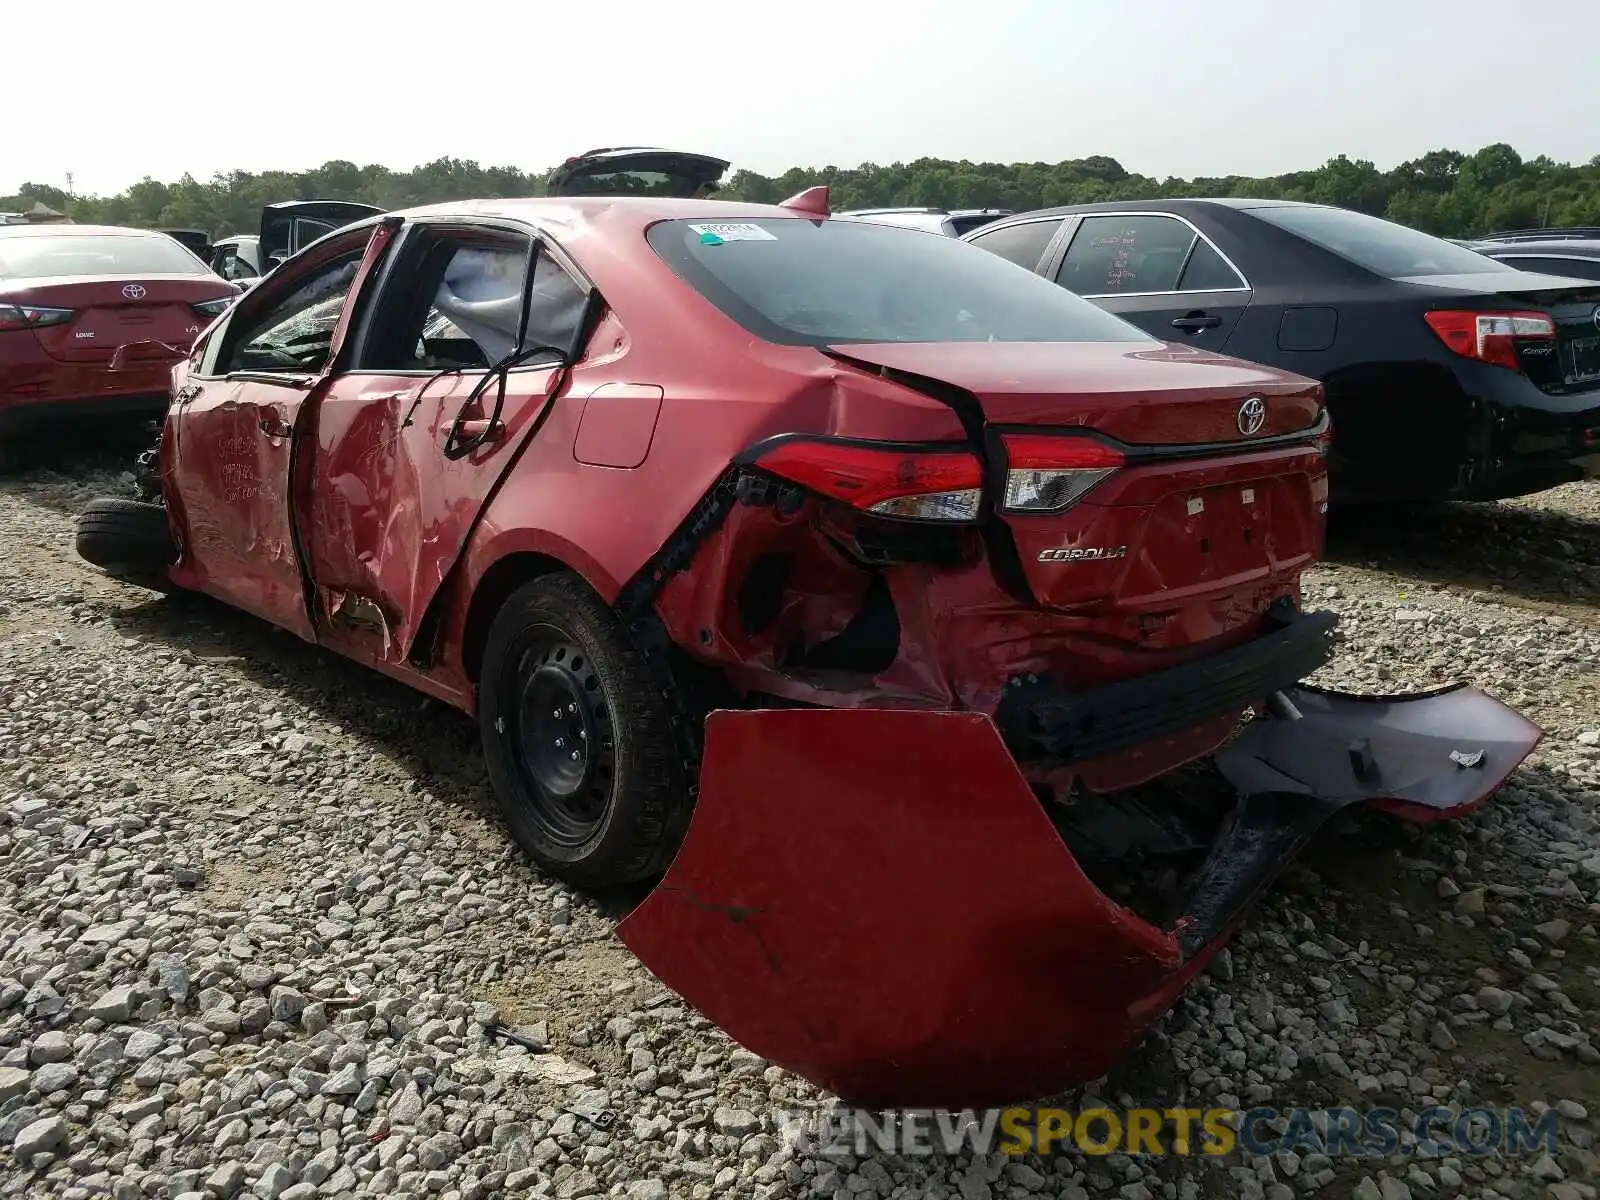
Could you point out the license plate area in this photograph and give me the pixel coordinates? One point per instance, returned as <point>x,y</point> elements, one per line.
<point>1581,360</point>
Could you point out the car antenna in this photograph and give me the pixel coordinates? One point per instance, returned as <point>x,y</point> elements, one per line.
<point>813,201</point>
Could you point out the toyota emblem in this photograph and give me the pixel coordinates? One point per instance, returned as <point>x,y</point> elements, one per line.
<point>1252,416</point>
<point>134,291</point>
<point>1597,316</point>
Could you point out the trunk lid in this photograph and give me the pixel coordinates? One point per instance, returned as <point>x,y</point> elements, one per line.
<point>1573,304</point>
<point>636,171</point>
<point>1140,393</point>
<point>1198,508</point>
<point>108,313</point>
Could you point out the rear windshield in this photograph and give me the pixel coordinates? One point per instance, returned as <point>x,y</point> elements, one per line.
<point>1380,246</point>
<point>799,282</point>
<point>636,183</point>
<point>42,256</point>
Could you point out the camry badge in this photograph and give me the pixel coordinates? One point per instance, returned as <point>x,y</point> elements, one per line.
<point>1252,416</point>
<point>134,291</point>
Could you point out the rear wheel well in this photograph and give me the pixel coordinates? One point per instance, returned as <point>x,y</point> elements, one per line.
<point>496,586</point>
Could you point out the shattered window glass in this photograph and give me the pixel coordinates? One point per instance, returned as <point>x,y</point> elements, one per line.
<point>297,334</point>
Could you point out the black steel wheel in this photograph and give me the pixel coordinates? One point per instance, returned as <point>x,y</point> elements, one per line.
<point>563,730</point>
<point>578,742</point>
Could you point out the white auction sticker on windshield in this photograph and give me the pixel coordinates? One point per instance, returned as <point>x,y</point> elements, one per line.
<point>733,231</point>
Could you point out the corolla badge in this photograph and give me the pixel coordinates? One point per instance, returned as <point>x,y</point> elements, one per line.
<point>1083,553</point>
<point>1252,416</point>
<point>134,291</point>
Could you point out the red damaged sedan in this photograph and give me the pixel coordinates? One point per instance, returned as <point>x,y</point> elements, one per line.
<point>843,579</point>
<point>71,298</point>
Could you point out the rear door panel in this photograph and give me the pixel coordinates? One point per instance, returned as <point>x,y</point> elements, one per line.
<point>388,511</point>
<point>1155,270</point>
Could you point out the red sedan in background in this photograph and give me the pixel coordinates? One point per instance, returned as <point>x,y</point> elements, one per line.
<point>71,297</point>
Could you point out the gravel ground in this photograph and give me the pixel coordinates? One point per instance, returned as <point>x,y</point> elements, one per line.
<point>259,927</point>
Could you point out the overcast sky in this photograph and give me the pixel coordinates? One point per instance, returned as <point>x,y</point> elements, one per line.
<point>113,90</point>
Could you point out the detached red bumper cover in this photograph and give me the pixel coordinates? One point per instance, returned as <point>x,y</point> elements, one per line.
<point>877,901</point>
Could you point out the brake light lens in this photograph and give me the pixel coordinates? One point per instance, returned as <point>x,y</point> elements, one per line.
<point>212,308</point>
<point>27,316</point>
<point>1490,337</point>
<point>1051,474</point>
<point>932,484</point>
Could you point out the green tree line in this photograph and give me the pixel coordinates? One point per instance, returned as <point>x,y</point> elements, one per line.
<point>1444,192</point>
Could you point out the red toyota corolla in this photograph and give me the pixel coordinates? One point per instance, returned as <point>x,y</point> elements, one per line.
<point>71,296</point>
<point>847,574</point>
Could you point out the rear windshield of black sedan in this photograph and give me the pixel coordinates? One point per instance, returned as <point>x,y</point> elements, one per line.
<point>799,282</point>
<point>43,256</point>
<point>1382,247</point>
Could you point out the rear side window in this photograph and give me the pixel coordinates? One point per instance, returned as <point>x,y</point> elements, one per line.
<point>1022,244</point>
<point>1114,255</point>
<point>53,255</point>
<point>1208,271</point>
<point>1380,246</point>
<point>230,264</point>
<point>819,283</point>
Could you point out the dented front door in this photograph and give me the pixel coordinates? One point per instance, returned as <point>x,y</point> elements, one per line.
<point>239,427</point>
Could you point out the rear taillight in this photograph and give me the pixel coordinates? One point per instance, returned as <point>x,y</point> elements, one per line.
<point>212,308</point>
<point>1050,474</point>
<point>908,483</point>
<point>1490,337</point>
<point>27,316</point>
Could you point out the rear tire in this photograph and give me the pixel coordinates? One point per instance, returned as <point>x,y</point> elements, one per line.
<point>578,740</point>
<point>128,540</point>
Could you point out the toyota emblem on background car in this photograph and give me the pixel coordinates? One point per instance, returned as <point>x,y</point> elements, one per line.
<point>1597,316</point>
<point>1252,416</point>
<point>134,291</point>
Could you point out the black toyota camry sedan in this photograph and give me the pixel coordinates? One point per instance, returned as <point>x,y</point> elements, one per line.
<point>1449,375</point>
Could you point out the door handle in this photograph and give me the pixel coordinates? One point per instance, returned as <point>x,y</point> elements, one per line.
<point>1195,322</point>
<point>273,427</point>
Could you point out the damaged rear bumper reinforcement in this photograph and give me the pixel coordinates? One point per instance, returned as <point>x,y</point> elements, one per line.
<point>1040,719</point>
<point>878,901</point>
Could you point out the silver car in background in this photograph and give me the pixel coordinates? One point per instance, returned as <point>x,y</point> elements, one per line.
<point>952,222</point>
